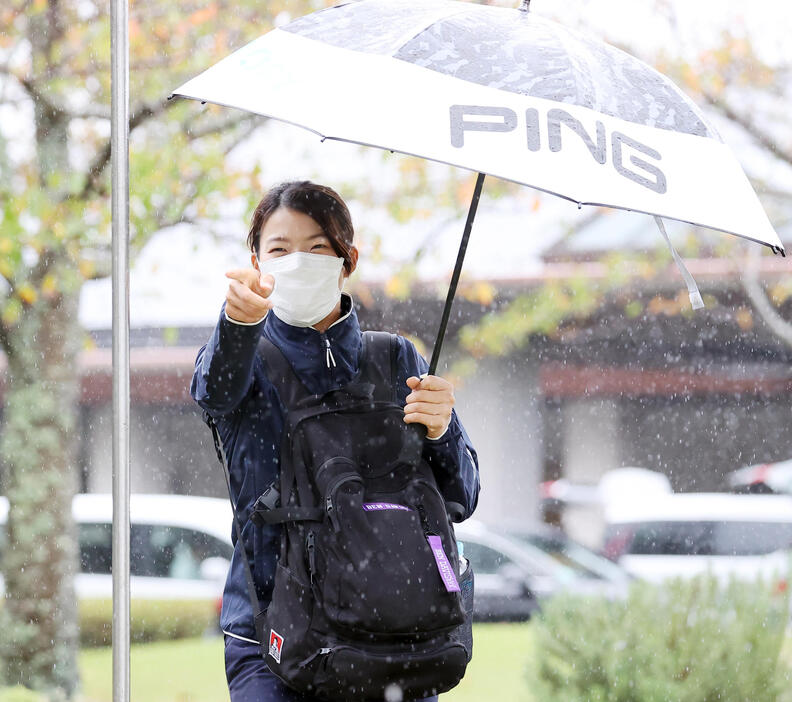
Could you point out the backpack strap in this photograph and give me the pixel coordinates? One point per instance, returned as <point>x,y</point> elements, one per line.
<point>378,364</point>
<point>251,587</point>
<point>281,374</point>
<point>379,367</point>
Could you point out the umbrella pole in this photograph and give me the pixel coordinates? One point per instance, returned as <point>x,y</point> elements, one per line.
<point>457,271</point>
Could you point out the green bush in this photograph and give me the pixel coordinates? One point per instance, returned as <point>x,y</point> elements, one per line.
<point>684,641</point>
<point>150,620</point>
<point>20,694</point>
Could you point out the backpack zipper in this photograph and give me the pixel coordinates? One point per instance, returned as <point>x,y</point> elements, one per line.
<point>330,509</point>
<point>310,545</point>
<point>424,520</point>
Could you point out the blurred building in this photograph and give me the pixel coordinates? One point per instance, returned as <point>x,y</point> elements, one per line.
<point>641,381</point>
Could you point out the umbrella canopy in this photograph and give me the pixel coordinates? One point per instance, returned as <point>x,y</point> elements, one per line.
<point>498,91</point>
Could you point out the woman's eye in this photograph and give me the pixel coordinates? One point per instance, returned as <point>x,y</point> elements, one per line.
<point>318,246</point>
<point>277,250</point>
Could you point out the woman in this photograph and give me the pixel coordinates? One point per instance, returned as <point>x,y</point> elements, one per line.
<point>302,251</point>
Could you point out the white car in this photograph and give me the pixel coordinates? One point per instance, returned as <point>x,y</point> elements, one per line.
<point>513,575</point>
<point>685,534</point>
<point>180,546</point>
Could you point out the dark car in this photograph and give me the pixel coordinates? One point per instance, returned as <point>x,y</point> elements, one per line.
<point>513,576</point>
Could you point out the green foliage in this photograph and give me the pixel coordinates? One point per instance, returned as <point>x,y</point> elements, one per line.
<point>150,620</point>
<point>21,694</point>
<point>683,641</point>
<point>538,312</point>
<point>560,305</point>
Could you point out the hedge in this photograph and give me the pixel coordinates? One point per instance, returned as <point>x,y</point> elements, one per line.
<point>684,641</point>
<point>150,620</point>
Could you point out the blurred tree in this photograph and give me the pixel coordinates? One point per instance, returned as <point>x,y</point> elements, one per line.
<point>737,85</point>
<point>753,95</point>
<point>55,234</point>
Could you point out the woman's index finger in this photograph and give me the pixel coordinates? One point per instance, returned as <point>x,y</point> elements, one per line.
<point>261,284</point>
<point>243,275</point>
<point>434,382</point>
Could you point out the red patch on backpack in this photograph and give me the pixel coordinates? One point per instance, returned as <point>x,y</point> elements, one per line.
<point>275,645</point>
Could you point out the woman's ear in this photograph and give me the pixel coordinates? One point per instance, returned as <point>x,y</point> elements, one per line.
<point>353,260</point>
<point>254,261</point>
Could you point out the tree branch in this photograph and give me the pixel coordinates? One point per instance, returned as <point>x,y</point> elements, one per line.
<point>756,294</point>
<point>38,95</point>
<point>219,126</point>
<point>102,157</point>
<point>762,137</point>
<point>35,94</point>
<point>251,125</point>
<point>5,342</point>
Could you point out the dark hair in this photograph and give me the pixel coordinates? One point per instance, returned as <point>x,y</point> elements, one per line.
<point>322,204</point>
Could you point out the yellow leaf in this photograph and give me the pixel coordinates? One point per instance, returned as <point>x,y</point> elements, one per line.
<point>780,292</point>
<point>87,268</point>
<point>49,285</point>
<point>397,287</point>
<point>480,292</point>
<point>27,293</point>
<point>744,318</point>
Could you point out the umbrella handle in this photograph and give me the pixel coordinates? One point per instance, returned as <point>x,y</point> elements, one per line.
<point>457,271</point>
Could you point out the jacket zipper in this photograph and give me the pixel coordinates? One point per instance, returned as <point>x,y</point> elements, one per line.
<point>329,354</point>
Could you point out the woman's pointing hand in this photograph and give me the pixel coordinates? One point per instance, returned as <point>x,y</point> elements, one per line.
<point>247,296</point>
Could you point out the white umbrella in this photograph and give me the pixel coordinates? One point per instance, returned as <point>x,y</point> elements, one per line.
<point>501,92</point>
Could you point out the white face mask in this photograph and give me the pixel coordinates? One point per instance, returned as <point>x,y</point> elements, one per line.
<point>306,286</point>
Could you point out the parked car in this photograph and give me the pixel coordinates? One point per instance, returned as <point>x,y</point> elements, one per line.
<point>685,534</point>
<point>512,577</point>
<point>763,477</point>
<point>180,545</point>
<point>587,564</point>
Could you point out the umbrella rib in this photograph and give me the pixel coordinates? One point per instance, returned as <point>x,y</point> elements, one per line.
<point>457,272</point>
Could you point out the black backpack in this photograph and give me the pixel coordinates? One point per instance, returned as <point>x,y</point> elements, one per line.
<point>367,603</point>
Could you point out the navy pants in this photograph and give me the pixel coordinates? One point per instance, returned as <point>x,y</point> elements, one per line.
<point>250,680</point>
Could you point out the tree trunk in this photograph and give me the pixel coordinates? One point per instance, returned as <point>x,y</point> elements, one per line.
<point>39,617</point>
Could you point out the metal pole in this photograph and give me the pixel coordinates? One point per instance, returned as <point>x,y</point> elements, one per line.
<point>457,272</point>
<point>119,48</point>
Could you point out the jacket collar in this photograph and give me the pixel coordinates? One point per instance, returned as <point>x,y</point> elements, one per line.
<point>307,349</point>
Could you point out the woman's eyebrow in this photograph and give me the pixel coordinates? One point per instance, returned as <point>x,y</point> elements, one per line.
<point>279,237</point>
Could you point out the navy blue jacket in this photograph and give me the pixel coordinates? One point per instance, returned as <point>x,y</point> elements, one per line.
<point>230,383</point>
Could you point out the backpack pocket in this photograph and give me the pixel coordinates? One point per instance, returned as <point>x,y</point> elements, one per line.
<point>287,639</point>
<point>364,673</point>
<point>379,572</point>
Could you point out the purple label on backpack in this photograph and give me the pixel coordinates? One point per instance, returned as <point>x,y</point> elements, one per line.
<point>443,566</point>
<point>379,506</point>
